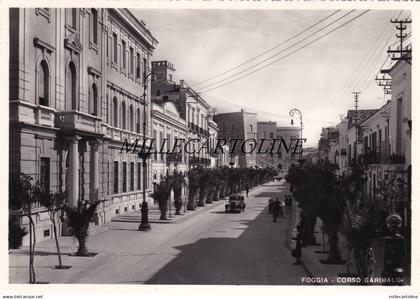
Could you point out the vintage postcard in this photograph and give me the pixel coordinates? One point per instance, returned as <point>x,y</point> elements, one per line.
<point>207,144</point>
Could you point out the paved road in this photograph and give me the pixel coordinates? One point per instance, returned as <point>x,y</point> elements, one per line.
<point>210,248</point>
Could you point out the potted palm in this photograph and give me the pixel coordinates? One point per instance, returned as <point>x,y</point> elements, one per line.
<point>161,195</point>
<point>177,184</point>
<point>79,219</point>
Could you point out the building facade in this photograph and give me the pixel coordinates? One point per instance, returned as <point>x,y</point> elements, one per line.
<point>191,106</point>
<point>168,127</point>
<point>239,125</point>
<point>282,160</point>
<point>76,93</point>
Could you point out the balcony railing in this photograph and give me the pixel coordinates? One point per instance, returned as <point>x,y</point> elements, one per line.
<point>196,129</point>
<point>174,157</point>
<point>76,120</point>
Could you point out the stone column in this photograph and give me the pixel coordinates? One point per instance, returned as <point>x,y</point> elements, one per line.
<point>94,170</point>
<point>73,174</point>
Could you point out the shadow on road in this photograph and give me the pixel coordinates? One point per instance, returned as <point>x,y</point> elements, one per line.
<point>257,257</point>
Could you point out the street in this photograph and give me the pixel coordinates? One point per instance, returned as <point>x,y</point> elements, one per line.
<point>211,247</point>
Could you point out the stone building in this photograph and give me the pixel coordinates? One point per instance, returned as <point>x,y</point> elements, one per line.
<point>191,106</point>
<point>282,160</point>
<point>167,127</point>
<point>76,93</point>
<point>239,125</point>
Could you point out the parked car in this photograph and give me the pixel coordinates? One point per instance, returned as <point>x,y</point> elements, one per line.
<point>236,204</point>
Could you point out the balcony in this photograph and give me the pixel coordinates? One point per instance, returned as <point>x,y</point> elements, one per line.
<point>371,158</point>
<point>194,160</point>
<point>174,157</point>
<point>397,159</point>
<point>78,121</point>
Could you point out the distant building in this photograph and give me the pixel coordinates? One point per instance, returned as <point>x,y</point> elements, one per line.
<point>310,155</point>
<point>191,106</point>
<point>280,161</point>
<point>239,125</point>
<point>213,134</point>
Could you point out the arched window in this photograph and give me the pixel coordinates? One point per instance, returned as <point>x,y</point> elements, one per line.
<point>71,94</point>
<point>43,83</point>
<point>123,116</point>
<point>115,104</point>
<point>138,121</point>
<point>93,100</point>
<point>131,118</point>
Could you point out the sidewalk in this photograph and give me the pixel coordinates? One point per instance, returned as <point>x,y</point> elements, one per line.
<point>106,244</point>
<point>333,274</point>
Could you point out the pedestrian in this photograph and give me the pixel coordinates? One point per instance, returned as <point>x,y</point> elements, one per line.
<point>281,209</point>
<point>270,206</point>
<point>297,244</point>
<point>247,189</point>
<point>288,202</point>
<point>276,209</point>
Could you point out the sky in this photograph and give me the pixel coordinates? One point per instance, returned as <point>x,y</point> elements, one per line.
<point>318,79</point>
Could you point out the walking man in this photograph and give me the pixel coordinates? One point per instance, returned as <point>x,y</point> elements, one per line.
<point>288,203</point>
<point>276,209</point>
<point>247,189</point>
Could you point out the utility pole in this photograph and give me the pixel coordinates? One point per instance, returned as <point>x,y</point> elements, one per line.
<point>356,106</point>
<point>385,82</point>
<point>400,53</point>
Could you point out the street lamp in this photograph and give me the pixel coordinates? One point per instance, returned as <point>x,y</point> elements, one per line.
<point>144,155</point>
<point>185,192</point>
<point>292,113</point>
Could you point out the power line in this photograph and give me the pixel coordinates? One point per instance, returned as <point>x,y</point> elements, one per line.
<point>376,62</point>
<point>358,72</point>
<point>269,50</point>
<point>278,53</point>
<point>281,58</point>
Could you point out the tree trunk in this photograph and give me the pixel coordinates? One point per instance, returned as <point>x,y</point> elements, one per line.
<point>32,241</point>
<point>82,250</point>
<point>60,264</point>
<point>191,201</point>
<point>334,255</point>
<point>309,221</point>
<point>163,211</point>
<point>209,196</point>
<point>222,193</point>
<point>216,194</point>
<point>178,205</point>
<point>201,197</point>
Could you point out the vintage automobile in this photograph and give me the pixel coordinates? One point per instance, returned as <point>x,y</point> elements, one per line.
<point>236,204</point>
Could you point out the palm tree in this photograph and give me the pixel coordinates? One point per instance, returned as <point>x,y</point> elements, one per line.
<point>78,220</point>
<point>204,182</point>
<point>193,187</point>
<point>177,184</point>
<point>224,175</point>
<point>161,195</point>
